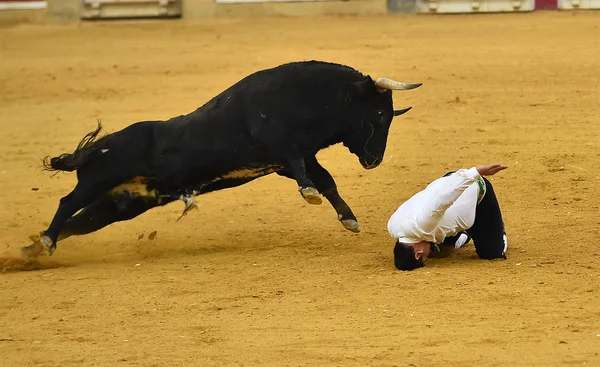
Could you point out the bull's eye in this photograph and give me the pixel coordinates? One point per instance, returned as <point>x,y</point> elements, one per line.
<point>380,114</point>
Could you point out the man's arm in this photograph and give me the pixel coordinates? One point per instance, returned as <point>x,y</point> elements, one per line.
<point>433,210</point>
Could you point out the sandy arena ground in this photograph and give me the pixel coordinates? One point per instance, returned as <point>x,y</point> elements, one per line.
<point>257,277</point>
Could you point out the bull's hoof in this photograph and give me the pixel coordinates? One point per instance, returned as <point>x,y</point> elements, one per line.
<point>351,225</point>
<point>48,244</point>
<point>311,195</point>
<point>33,250</point>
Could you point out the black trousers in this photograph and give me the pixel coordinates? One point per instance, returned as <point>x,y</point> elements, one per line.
<point>488,233</point>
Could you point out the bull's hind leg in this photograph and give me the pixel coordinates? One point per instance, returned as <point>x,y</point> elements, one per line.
<point>107,210</point>
<point>103,211</point>
<point>90,186</point>
<point>80,197</point>
<point>309,192</point>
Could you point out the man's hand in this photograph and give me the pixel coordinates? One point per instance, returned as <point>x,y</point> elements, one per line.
<point>491,169</point>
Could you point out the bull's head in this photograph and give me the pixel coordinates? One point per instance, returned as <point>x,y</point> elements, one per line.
<point>371,113</point>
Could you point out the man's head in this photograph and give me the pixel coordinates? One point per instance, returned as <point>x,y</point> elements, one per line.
<point>409,256</point>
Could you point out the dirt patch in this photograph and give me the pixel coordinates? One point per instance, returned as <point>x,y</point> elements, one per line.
<point>10,263</point>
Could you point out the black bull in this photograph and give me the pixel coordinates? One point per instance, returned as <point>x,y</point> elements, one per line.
<point>274,120</point>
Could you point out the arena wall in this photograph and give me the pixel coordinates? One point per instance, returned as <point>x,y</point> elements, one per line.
<point>209,8</point>
<point>70,10</point>
<point>54,10</point>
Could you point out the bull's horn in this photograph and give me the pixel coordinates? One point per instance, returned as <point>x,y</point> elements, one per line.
<point>401,112</point>
<point>384,84</point>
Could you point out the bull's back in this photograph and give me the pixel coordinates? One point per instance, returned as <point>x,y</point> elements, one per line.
<point>238,136</point>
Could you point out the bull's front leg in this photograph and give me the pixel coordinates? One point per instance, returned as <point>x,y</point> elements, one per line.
<point>309,192</point>
<point>327,186</point>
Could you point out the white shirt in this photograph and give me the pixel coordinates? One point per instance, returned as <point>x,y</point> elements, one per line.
<point>444,208</point>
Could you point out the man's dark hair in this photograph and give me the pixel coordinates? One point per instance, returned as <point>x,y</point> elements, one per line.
<point>404,257</point>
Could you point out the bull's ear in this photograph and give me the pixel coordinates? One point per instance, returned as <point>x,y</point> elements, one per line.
<point>401,112</point>
<point>358,90</point>
<point>361,90</point>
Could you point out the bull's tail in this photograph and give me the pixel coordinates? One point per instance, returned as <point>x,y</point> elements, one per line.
<point>71,162</point>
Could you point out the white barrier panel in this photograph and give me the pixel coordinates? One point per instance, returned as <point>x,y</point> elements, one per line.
<point>474,6</point>
<point>21,4</point>
<point>578,4</point>
<point>92,9</point>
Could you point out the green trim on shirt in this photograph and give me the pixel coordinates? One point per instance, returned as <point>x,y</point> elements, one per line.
<point>482,190</point>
